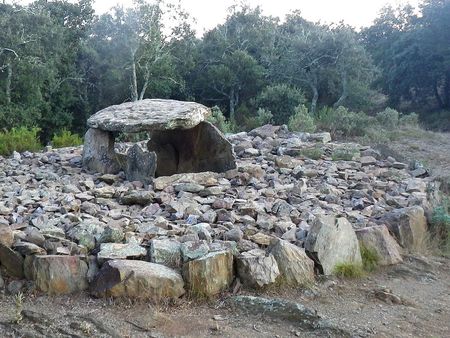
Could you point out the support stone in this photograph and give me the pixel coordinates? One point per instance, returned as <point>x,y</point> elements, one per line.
<point>98,152</point>
<point>140,165</point>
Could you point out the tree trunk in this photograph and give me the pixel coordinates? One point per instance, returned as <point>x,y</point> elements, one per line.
<point>133,86</point>
<point>344,93</point>
<point>314,99</point>
<point>439,100</point>
<point>234,101</point>
<point>9,73</point>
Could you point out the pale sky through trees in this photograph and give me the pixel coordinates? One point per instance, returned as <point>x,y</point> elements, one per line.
<point>209,13</point>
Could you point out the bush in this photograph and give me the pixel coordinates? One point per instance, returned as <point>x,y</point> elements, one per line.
<point>301,120</point>
<point>344,154</point>
<point>313,153</point>
<point>263,116</point>
<point>409,120</point>
<point>369,257</point>
<point>348,270</point>
<point>218,119</point>
<point>342,122</point>
<point>440,227</point>
<point>20,140</point>
<point>66,139</point>
<point>388,118</point>
<point>281,100</point>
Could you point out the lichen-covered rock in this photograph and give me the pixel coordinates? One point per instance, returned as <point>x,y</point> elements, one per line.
<point>6,236</point>
<point>257,268</point>
<point>209,275</point>
<point>58,275</point>
<point>166,252</point>
<point>378,239</point>
<point>140,165</point>
<point>296,268</point>
<point>98,152</point>
<point>12,261</point>
<point>332,241</point>
<point>137,280</point>
<point>111,251</point>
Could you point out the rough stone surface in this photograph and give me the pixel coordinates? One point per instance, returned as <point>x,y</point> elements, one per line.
<point>409,226</point>
<point>209,275</point>
<point>137,279</point>
<point>140,166</point>
<point>166,252</point>
<point>378,239</point>
<point>111,251</point>
<point>202,148</point>
<point>149,115</point>
<point>257,268</point>
<point>332,241</point>
<point>98,152</point>
<point>6,236</point>
<point>11,261</point>
<point>58,275</point>
<point>295,267</point>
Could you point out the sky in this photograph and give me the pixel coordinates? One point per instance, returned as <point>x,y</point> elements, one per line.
<point>209,13</point>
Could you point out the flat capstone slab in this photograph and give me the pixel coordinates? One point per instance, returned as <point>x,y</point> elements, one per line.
<point>149,115</point>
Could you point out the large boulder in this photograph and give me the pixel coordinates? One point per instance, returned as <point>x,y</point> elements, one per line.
<point>210,274</point>
<point>378,239</point>
<point>58,275</point>
<point>12,261</point>
<point>98,152</point>
<point>409,226</point>
<point>257,268</point>
<point>296,268</point>
<point>137,279</point>
<point>112,251</point>
<point>332,241</point>
<point>202,148</point>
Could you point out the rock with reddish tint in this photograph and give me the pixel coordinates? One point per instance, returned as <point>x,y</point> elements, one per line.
<point>59,275</point>
<point>137,280</point>
<point>209,275</point>
<point>6,236</point>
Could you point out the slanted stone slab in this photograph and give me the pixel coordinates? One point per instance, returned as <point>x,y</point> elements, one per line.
<point>98,152</point>
<point>149,115</point>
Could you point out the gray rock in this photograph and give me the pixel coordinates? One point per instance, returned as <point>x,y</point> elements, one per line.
<point>11,261</point>
<point>256,268</point>
<point>137,197</point>
<point>140,165</point>
<point>6,236</point>
<point>98,152</point>
<point>112,251</point>
<point>193,249</point>
<point>137,280</point>
<point>166,252</point>
<point>332,241</point>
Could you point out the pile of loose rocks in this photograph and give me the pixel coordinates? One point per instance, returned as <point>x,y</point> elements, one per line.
<point>279,218</point>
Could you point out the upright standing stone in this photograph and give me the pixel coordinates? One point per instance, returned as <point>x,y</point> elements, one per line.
<point>98,152</point>
<point>141,165</point>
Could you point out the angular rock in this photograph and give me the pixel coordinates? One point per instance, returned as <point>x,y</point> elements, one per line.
<point>140,165</point>
<point>408,225</point>
<point>166,252</point>
<point>98,152</point>
<point>209,275</point>
<point>58,275</point>
<point>137,197</point>
<point>378,239</point>
<point>6,236</point>
<point>296,268</point>
<point>332,241</point>
<point>193,250</point>
<point>11,261</point>
<point>256,268</point>
<point>114,251</point>
<point>201,148</point>
<point>137,280</point>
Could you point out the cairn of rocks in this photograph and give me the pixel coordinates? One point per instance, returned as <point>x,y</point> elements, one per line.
<point>279,218</point>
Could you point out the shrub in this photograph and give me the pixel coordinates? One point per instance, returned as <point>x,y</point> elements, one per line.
<point>66,139</point>
<point>19,139</point>
<point>281,100</point>
<point>348,270</point>
<point>263,116</point>
<point>344,154</point>
<point>440,227</point>
<point>219,120</point>
<point>342,122</point>
<point>369,257</point>
<point>409,120</point>
<point>313,153</point>
<point>301,120</point>
<point>388,118</point>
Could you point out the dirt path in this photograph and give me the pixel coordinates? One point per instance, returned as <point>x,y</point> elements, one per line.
<point>408,300</point>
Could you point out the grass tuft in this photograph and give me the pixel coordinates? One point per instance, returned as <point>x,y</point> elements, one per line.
<point>348,270</point>
<point>370,258</point>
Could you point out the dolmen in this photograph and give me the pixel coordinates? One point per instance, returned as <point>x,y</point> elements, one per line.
<point>181,140</point>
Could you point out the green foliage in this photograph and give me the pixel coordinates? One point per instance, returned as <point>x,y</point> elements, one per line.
<point>348,270</point>
<point>302,120</point>
<point>314,153</point>
<point>20,140</point>
<point>409,120</point>
<point>66,139</point>
<point>344,154</point>
<point>281,100</point>
<point>440,227</point>
<point>369,257</point>
<point>388,118</point>
<point>262,117</point>
<point>218,119</point>
<point>342,122</point>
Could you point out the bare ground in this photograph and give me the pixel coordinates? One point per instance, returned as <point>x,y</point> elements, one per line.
<point>408,300</point>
